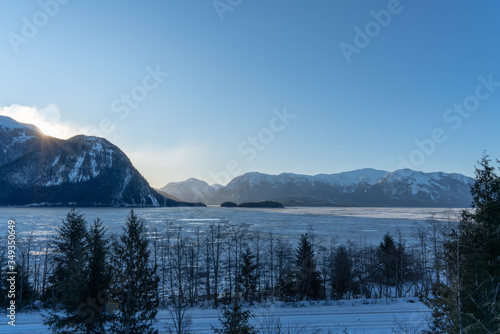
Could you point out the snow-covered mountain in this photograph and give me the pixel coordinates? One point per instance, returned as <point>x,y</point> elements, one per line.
<point>364,187</point>
<point>36,169</point>
<point>192,190</point>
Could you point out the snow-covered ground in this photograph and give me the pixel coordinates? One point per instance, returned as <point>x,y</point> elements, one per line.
<point>347,316</point>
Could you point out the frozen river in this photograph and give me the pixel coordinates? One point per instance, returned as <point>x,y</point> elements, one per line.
<point>357,224</point>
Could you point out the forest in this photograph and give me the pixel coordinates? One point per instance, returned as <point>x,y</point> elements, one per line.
<point>88,280</point>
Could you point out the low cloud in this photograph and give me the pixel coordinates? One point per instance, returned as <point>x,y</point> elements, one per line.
<point>47,119</point>
<point>158,165</point>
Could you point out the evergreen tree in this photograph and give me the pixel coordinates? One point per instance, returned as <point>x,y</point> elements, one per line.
<point>235,320</point>
<point>307,278</point>
<point>388,254</point>
<point>341,273</point>
<point>136,286</point>
<point>394,264</point>
<point>97,279</point>
<point>248,278</point>
<point>69,270</point>
<point>285,266</point>
<point>469,303</point>
<point>82,276</point>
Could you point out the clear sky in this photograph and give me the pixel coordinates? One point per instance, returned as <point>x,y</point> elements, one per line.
<point>213,89</point>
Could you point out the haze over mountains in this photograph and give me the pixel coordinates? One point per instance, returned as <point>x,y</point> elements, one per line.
<point>36,169</point>
<point>364,187</point>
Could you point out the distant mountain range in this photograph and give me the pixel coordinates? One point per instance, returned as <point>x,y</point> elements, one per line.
<point>36,169</point>
<point>365,187</point>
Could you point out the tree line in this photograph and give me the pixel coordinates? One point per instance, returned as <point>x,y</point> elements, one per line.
<point>97,282</point>
<point>102,282</point>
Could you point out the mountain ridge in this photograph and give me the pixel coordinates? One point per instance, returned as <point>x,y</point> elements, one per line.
<point>36,169</point>
<point>362,187</point>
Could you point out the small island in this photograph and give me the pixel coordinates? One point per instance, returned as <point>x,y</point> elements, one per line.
<point>229,205</point>
<point>263,204</point>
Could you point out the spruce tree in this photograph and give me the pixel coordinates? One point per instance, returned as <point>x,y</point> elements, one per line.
<point>82,277</point>
<point>341,273</point>
<point>248,278</point>
<point>136,285</point>
<point>70,246</point>
<point>235,320</point>
<point>98,273</point>
<point>307,278</point>
<point>480,253</point>
<point>469,303</point>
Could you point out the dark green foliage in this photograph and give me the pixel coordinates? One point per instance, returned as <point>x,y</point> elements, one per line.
<point>136,283</point>
<point>394,267</point>
<point>263,204</point>
<point>389,258</point>
<point>470,302</point>
<point>229,205</point>
<point>82,277</point>
<point>341,273</point>
<point>98,279</point>
<point>235,320</point>
<point>285,288</point>
<point>248,278</point>
<point>69,260</point>
<point>69,274</point>
<point>307,278</point>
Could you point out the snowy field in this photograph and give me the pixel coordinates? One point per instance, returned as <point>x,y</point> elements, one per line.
<point>356,224</point>
<point>347,316</point>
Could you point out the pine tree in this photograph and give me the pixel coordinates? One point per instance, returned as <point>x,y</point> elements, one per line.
<point>97,279</point>
<point>341,272</point>
<point>69,270</point>
<point>307,278</point>
<point>248,278</point>
<point>82,276</point>
<point>235,320</point>
<point>388,255</point>
<point>393,260</point>
<point>469,303</point>
<point>480,253</point>
<point>136,286</point>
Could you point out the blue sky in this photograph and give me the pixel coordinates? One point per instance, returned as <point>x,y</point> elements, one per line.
<point>213,89</point>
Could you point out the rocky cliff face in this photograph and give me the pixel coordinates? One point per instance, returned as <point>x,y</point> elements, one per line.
<point>83,171</point>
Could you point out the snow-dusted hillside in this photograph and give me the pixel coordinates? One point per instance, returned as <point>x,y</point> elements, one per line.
<point>16,139</point>
<point>82,170</point>
<point>364,187</point>
<point>192,190</point>
<point>7,123</point>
